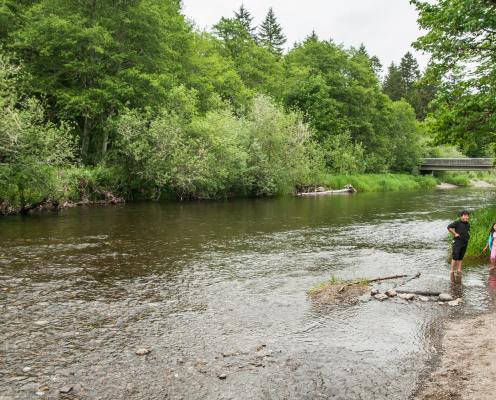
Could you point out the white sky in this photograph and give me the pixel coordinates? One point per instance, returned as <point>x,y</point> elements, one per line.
<point>386,27</point>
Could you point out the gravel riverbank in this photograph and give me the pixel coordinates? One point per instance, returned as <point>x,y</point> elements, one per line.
<point>467,367</point>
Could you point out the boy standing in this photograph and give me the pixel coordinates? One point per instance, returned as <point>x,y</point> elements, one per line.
<point>460,229</point>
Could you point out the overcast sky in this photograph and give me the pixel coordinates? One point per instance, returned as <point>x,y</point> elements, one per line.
<point>386,27</point>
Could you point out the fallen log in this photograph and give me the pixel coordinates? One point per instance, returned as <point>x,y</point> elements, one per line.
<point>384,278</point>
<point>419,292</point>
<point>346,190</point>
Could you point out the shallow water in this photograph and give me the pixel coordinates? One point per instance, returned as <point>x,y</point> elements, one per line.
<point>220,289</point>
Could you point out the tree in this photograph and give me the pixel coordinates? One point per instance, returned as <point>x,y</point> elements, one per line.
<point>245,18</point>
<point>270,33</point>
<point>91,59</point>
<point>393,84</point>
<point>410,72</point>
<point>461,37</point>
<point>259,68</point>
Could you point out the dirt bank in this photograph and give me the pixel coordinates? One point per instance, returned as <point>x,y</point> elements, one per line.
<point>467,369</point>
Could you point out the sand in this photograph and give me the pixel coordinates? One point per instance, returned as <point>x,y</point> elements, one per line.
<point>467,369</point>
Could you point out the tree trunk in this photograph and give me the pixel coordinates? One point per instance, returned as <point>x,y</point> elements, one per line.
<point>104,144</point>
<point>85,139</point>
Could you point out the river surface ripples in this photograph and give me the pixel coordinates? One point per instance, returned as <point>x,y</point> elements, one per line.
<point>217,292</point>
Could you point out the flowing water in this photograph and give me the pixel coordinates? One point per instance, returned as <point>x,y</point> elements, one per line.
<point>217,292</point>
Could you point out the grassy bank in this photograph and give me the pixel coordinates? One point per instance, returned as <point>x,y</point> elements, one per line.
<point>27,187</point>
<point>20,189</point>
<point>480,224</point>
<point>379,182</point>
<point>464,178</point>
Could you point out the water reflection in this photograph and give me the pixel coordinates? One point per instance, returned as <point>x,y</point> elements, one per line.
<point>218,289</point>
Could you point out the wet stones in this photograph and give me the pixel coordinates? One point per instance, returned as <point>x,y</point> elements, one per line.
<point>381,296</point>
<point>406,296</point>
<point>445,297</point>
<point>65,389</point>
<point>455,303</point>
<point>391,293</point>
<point>143,351</point>
<point>374,291</point>
<point>221,375</point>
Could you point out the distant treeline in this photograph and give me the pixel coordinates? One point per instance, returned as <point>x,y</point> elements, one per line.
<point>129,95</point>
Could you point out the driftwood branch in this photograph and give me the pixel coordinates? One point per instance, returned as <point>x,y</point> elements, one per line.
<point>383,278</point>
<point>419,292</point>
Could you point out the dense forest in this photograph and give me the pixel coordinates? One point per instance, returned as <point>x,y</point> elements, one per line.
<point>127,98</point>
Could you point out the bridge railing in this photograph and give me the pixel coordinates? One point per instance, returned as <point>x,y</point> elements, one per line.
<point>462,164</point>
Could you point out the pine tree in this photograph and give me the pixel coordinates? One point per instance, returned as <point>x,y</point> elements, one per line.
<point>409,70</point>
<point>393,83</point>
<point>375,63</point>
<point>270,33</point>
<point>245,18</point>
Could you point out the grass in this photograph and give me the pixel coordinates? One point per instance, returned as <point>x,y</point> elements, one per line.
<point>464,178</point>
<point>480,224</point>
<point>379,182</point>
<point>333,281</point>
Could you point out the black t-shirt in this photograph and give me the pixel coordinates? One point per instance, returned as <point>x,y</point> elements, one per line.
<point>463,229</point>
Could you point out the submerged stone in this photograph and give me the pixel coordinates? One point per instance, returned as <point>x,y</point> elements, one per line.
<point>380,296</point>
<point>445,297</point>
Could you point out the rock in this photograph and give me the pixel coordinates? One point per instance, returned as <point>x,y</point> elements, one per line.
<point>374,291</point>
<point>406,296</point>
<point>222,375</point>
<point>424,298</point>
<point>41,323</point>
<point>65,389</point>
<point>26,369</point>
<point>143,352</point>
<point>445,297</point>
<point>456,302</point>
<point>40,393</point>
<point>380,296</point>
<point>391,293</point>
<point>441,303</point>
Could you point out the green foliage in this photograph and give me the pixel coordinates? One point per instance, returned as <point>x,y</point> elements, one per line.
<point>481,222</point>
<point>30,147</point>
<point>378,182</point>
<point>215,155</point>
<point>342,156</point>
<point>270,34</point>
<point>92,59</point>
<point>461,39</point>
<point>245,18</point>
<point>405,82</point>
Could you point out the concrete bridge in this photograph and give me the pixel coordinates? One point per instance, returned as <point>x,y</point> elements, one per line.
<point>456,164</point>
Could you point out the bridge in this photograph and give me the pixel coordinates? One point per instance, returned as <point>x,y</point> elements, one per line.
<point>456,164</point>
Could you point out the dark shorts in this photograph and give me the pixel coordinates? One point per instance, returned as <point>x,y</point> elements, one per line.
<point>459,250</point>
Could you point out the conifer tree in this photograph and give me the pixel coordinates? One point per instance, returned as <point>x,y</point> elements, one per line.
<point>409,70</point>
<point>393,83</point>
<point>245,18</point>
<point>270,33</point>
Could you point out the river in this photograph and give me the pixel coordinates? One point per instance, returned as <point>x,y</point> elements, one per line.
<point>217,292</point>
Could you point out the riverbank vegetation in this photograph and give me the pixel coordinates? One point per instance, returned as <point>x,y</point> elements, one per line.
<point>130,100</point>
<point>481,222</point>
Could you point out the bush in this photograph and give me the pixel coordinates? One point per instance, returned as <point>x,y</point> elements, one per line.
<point>480,225</point>
<point>342,156</point>
<point>218,154</point>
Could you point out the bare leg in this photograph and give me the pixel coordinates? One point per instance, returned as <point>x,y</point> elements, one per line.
<point>453,263</point>
<point>460,266</point>
<point>493,264</point>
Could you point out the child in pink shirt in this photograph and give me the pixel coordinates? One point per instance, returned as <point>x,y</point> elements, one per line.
<point>491,244</point>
